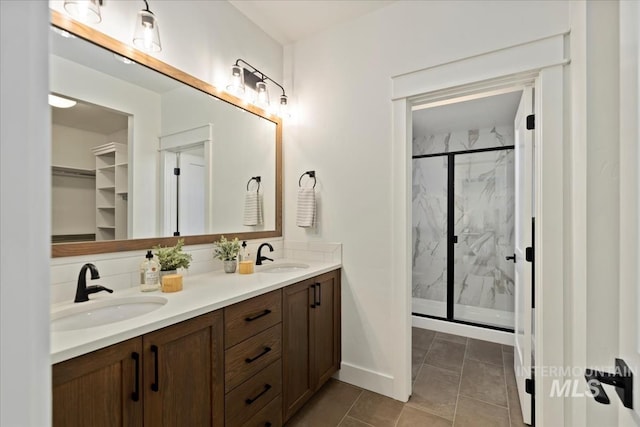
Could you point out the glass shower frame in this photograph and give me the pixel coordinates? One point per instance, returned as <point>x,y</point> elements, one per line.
<point>445,308</point>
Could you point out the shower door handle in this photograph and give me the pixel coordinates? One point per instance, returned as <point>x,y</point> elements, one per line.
<point>454,239</point>
<point>511,258</point>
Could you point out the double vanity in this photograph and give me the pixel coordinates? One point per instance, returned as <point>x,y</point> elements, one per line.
<point>229,350</point>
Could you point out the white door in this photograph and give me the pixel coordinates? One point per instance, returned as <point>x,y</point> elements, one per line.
<point>523,229</point>
<point>629,287</point>
<point>192,194</point>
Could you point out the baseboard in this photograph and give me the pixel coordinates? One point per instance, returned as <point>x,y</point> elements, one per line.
<point>463,330</point>
<point>364,378</point>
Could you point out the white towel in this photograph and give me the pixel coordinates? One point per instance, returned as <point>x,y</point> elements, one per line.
<point>306,207</point>
<point>252,208</point>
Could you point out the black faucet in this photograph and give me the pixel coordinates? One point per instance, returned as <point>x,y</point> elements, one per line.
<point>259,257</point>
<point>82,291</point>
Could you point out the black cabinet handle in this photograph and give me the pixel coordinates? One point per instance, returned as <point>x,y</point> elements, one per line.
<point>314,296</point>
<point>267,424</point>
<point>513,257</point>
<point>155,386</point>
<point>257,316</point>
<point>267,387</point>
<point>265,351</point>
<point>135,396</point>
<point>319,294</point>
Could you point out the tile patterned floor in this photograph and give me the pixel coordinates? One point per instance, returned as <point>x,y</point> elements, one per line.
<point>458,381</point>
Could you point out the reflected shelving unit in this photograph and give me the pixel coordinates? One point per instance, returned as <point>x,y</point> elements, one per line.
<point>111,191</point>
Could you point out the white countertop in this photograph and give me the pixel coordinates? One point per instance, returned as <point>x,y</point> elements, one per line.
<point>201,294</point>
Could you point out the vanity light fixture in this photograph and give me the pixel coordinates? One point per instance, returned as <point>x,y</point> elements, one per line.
<point>60,102</point>
<point>146,35</point>
<point>84,10</point>
<point>247,76</point>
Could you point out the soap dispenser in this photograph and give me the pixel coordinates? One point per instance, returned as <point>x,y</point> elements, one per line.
<point>149,274</point>
<point>245,263</point>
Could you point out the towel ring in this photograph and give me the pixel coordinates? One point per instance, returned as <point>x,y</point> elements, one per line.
<point>312,174</point>
<point>256,179</point>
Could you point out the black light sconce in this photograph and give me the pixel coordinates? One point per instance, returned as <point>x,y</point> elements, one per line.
<point>246,75</point>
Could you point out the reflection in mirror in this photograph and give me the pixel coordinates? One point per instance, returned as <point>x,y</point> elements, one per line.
<point>142,155</point>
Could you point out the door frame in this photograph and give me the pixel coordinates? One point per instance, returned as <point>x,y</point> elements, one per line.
<point>542,60</point>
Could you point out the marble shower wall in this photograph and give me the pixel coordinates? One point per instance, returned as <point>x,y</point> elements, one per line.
<point>484,222</point>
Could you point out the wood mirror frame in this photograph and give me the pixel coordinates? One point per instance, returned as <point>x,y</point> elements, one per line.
<point>85,248</point>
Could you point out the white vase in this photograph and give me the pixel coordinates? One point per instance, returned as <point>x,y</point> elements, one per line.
<point>229,266</point>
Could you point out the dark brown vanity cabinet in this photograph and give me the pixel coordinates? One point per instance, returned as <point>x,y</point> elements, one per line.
<point>254,363</point>
<point>101,388</point>
<point>170,377</point>
<point>184,373</point>
<point>311,338</point>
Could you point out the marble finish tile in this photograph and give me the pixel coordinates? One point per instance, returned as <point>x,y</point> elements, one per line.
<point>472,139</point>
<point>484,220</point>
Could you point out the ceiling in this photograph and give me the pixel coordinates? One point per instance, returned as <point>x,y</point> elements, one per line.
<point>288,21</point>
<point>89,117</point>
<point>481,113</point>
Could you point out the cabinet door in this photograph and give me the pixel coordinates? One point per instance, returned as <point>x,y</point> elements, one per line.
<point>326,327</point>
<point>183,373</point>
<point>100,388</point>
<point>298,385</point>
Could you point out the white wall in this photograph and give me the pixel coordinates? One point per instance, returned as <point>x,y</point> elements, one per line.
<point>341,80</point>
<point>25,182</point>
<point>71,147</point>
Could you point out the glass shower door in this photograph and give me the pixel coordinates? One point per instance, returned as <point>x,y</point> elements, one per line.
<point>429,236</point>
<point>484,237</point>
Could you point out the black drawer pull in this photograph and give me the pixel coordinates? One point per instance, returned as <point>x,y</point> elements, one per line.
<point>314,296</point>
<point>155,386</point>
<point>135,396</point>
<point>257,316</point>
<point>267,387</point>
<point>319,294</point>
<point>265,351</point>
<point>267,424</point>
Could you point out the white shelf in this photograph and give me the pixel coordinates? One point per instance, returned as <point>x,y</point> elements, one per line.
<point>112,176</point>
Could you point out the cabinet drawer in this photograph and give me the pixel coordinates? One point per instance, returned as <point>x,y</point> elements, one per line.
<point>244,360</point>
<point>250,397</point>
<point>247,318</point>
<point>270,415</point>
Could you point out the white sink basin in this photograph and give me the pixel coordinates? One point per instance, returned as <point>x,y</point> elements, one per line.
<point>102,312</point>
<point>285,267</point>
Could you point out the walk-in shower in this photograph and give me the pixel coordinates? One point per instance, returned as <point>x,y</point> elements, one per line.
<point>463,212</point>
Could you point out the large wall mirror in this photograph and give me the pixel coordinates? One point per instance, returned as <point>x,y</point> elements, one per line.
<point>148,152</point>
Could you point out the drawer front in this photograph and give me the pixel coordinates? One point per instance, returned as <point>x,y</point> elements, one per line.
<point>251,356</point>
<point>270,415</point>
<point>250,397</point>
<point>247,318</point>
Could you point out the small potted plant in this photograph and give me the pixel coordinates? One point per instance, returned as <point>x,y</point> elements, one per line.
<point>172,258</point>
<point>227,251</point>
